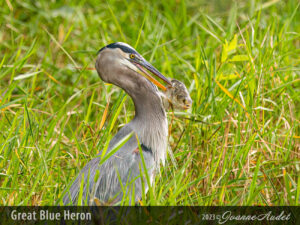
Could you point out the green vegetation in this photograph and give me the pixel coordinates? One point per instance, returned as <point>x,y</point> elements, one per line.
<point>239,145</point>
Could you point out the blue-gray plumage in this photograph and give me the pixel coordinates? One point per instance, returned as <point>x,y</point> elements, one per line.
<point>121,65</point>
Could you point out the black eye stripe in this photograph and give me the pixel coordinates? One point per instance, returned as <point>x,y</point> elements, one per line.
<point>120,46</point>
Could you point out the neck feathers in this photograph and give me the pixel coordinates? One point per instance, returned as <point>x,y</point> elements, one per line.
<point>151,125</point>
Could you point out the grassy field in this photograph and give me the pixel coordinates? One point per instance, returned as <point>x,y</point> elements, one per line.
<point>238,145</point>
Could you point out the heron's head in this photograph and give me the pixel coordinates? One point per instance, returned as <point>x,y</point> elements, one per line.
<point>122,65</point>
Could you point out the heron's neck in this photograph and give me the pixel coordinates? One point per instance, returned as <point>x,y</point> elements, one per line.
<point>150,123</point>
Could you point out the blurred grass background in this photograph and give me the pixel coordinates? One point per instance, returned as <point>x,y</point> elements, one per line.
<point>239,145</point>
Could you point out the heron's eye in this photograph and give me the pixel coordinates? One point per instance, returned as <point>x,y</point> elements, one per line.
<point>132,56</point>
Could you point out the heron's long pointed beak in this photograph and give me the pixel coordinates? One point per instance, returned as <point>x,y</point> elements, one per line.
<point>144,66</point>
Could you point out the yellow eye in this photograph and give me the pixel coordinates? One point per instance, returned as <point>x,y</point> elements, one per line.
<point>132,56</point>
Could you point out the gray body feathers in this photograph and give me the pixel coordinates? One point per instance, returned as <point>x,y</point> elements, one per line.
<point>124,165</point>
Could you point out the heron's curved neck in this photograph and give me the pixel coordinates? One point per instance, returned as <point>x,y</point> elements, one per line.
<point>150,123</point>
<point>148,106</point>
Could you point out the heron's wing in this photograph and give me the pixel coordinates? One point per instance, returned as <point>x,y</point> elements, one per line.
<point>110,180</point>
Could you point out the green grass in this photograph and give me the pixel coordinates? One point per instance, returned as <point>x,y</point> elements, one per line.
<point>239,145</point>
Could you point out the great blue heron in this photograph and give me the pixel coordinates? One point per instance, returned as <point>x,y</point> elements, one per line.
<point>109,181</point>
